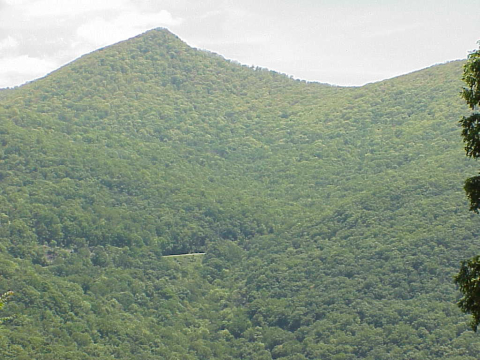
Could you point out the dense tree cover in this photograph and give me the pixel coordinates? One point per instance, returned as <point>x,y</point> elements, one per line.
<point>3,299</point>
<point>331,217</point>
<point>4,93</point>
<point>468,276</point>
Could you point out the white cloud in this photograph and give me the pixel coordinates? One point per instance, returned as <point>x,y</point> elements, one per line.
<point>101,32</point>
<point>15,2</point>
<point>18,70</point>
<point>8,43</point>
<point>56,8</point>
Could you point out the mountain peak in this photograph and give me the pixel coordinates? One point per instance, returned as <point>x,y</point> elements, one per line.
<point>159,34</point>
<point>328,215</point>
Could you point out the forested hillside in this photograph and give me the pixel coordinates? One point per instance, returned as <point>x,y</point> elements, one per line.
<point>332,219</point>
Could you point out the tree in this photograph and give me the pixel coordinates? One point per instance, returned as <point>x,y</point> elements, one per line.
<point>3,300</point>
<point>468,278</point>
<point>471,124</point>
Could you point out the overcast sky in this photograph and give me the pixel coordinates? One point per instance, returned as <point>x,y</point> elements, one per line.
<point>342,42</point>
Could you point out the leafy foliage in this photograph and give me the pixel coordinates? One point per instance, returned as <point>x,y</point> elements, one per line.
<point>471,124</point>
<point>469,281</point>
<point>468,276</point>
<point>3,299</point>
<point>331,217</point>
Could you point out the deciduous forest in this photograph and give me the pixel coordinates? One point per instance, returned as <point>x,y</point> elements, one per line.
<point>332,219</point>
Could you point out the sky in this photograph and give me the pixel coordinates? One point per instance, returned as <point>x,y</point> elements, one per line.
<point>340,42</point>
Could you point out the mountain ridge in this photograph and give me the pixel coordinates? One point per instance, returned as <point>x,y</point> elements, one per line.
<point>332,218</point>
<point>166,36</point>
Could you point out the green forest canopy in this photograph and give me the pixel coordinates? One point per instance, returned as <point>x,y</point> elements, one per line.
<point>333,219</point>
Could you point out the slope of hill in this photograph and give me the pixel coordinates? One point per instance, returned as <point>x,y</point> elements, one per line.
<point>333,219</point>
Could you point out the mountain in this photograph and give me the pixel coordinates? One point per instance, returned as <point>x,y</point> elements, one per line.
<point>332,219</point>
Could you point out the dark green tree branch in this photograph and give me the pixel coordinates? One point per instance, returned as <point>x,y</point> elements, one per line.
<point>468,278</point>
